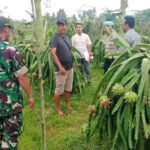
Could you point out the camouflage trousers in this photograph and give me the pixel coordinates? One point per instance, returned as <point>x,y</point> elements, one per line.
<point>10,129</point>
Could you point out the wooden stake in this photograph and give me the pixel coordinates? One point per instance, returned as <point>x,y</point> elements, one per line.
<point>38,31</point>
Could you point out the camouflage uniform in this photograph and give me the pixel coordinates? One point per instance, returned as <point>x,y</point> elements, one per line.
<point>11,104</point>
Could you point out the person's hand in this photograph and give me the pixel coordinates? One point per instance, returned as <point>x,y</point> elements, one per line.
<point>90,56</point>
<point>89,59</point>
<point>62,70</point>
<point>31,102</point>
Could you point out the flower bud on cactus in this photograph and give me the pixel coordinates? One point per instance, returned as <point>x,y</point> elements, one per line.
<point>92,109</point>
<point>130,97</point>
<point>106,104</point>
<point>79,65</point>
<point>118,89</point>
<point>104,101</point>
<point>99,96</point>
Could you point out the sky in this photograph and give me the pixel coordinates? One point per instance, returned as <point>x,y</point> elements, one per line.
<point>16,9</point>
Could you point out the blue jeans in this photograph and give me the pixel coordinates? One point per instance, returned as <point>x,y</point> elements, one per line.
<point>85,64</point>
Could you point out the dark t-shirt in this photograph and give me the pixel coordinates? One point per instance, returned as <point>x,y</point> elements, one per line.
<point>63,52</point>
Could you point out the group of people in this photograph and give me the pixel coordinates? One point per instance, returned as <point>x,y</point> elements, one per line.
<point>130,36</point>
<point>13,73</point>
<point>61,51</point>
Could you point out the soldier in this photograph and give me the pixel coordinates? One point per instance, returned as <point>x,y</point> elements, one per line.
<point>12,76</point>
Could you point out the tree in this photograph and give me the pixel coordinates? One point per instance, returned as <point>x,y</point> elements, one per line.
<point>90,13</point>
<point>109,15</point>
<point>123,6</point>
<point>3,10</point>
<point>61,14</point>
<point>143,21</point>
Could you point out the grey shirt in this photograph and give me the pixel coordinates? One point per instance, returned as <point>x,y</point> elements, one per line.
<point>63,51</point>
<point>132,37</point>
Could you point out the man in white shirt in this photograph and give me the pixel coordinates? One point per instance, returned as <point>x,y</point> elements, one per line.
<point>82,43</point>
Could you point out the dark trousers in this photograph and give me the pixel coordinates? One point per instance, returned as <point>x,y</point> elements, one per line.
<point>86,66</point>
<point>107,63</point>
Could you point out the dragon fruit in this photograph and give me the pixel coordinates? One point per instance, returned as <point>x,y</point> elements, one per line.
<point>118,89</point>
<point>104,101</point>
<point>84,128</point>
<point>130,97</point>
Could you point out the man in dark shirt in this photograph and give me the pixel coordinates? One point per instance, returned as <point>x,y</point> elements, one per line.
<point>62,56</point>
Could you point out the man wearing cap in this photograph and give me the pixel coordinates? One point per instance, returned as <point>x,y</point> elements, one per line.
<point>62,56</point>
<point>110,46</point>
<point>82,43</point>
<point>131,36</point>
<point>12,76</point>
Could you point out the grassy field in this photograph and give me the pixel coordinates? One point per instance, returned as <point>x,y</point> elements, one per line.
<point>62,133</point>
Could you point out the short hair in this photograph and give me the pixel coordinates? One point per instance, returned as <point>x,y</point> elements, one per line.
<point>130,21</point>
<point>79,24</point>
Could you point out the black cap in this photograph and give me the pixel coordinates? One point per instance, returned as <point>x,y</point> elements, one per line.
<point>4,22</point>
<point>62,21</point>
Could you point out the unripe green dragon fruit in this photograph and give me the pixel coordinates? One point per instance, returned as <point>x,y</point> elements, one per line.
<point>118,89</point>
<point>84,128</point>
<point>130,97</point>
<point>104,101</point>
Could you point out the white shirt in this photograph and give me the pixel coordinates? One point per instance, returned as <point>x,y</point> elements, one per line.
<point>80,42</point>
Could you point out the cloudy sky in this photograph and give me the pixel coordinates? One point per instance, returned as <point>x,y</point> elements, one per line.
<point>16,8</point>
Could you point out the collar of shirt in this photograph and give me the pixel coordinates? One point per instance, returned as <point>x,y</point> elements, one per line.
<point>130,31</point>
<point>80,35</point>
<point>63,36</point>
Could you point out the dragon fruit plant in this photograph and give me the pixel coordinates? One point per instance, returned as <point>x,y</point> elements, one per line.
<point>122,122</point>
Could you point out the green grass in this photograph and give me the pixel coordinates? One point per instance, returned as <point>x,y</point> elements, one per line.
<point>62,133</point>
